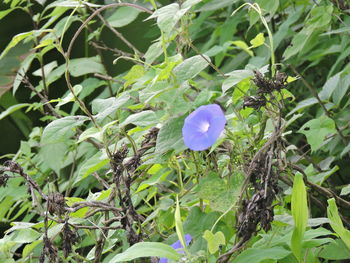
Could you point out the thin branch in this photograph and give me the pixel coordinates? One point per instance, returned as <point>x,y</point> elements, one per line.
<point>119,35</point>
<point>226,257</point>
<point>322,190</point>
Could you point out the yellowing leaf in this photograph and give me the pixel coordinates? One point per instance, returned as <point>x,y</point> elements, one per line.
<point>214,241</point>
<point>258,40</point>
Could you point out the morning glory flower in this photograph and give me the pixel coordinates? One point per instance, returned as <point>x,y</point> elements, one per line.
<point>178,245</point>
<point>203,127</point>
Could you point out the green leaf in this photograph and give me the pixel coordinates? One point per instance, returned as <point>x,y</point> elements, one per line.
<point>72,3</point>
<point>268,6</point>
<point>345,190</point>
<point>236,77</point>
<point>46,68</point>
<point>341,89</point>
<point>167,16</point>
<point>258,40</point>
<point>123,16</point>
<point>82,66</point>
<point>55,140</point>
<point>25,235</point>
<point>91,165</point>
<point>29,248</point>
<point>214,241</point>
<point>22,71</point>
<point>70,97</point>
<point>108,107</point>
<point>153,52</point>
<point>6,12</point>
<point>329,87</point>
<point>190,67</point>
<point>61,129</point>
<point>170,136</point>
<point>239,75</point>
<point>336,222</point>
<point>216,4</point>
<point>319,178</point>
<point>12,109</point>
<point>136,72</point>
<point>190,3</point>
<point>92,132</point>
<point>303,104</point>
<point>300,214</point>
<point>258,255</point>
<point>154,179</point>
<point>143,118</point>
<point>241,44</point>
<point>320,16</point>
<point>80,213</point>
<point>147,249</point>
<point>221,195</point>
<point>336,250</point>
<point>316,130</point>
<point>18,38</point>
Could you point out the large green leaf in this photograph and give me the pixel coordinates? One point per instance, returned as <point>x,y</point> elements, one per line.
<point>316,130</point>
<point>123,16</point>
<point>167,16</point>
<point>147,249</point>
<point>336,250</point>
<point>143,118</point>
<point>104,108</point>
<point>190,67</point>
<point>20,37</point>
<point>55,140</point>
<point>91,165</point>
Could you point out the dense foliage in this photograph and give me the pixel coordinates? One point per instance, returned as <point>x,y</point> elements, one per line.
<point>219,132</point>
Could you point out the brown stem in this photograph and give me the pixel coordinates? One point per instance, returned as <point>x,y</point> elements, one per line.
<point>226,257</point>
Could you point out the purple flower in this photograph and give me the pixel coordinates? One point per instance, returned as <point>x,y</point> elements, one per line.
<point>178,245</point>
<point>203,127</point>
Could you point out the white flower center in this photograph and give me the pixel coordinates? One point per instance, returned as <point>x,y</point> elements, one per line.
<point>204,127</point>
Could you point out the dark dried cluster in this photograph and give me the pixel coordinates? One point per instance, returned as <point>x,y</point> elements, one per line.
<point>49,250</point>
<point>265,86</point>
<point>69,239</point>
<point>56,204</point>
<point>13,167</point>
<point>255,102</point>
<point>150,137</point>
<point>263,176</point>
<point>123,181</point>
<point>117,163</point>
<point>3,179</point>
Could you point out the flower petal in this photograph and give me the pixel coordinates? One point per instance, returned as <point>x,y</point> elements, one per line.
<point>178,245</point>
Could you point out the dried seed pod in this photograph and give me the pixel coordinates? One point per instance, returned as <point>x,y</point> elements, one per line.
<point>3,180</point>
<point>69,239</point>
<point>255,102</point>
<point>56,203</point>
